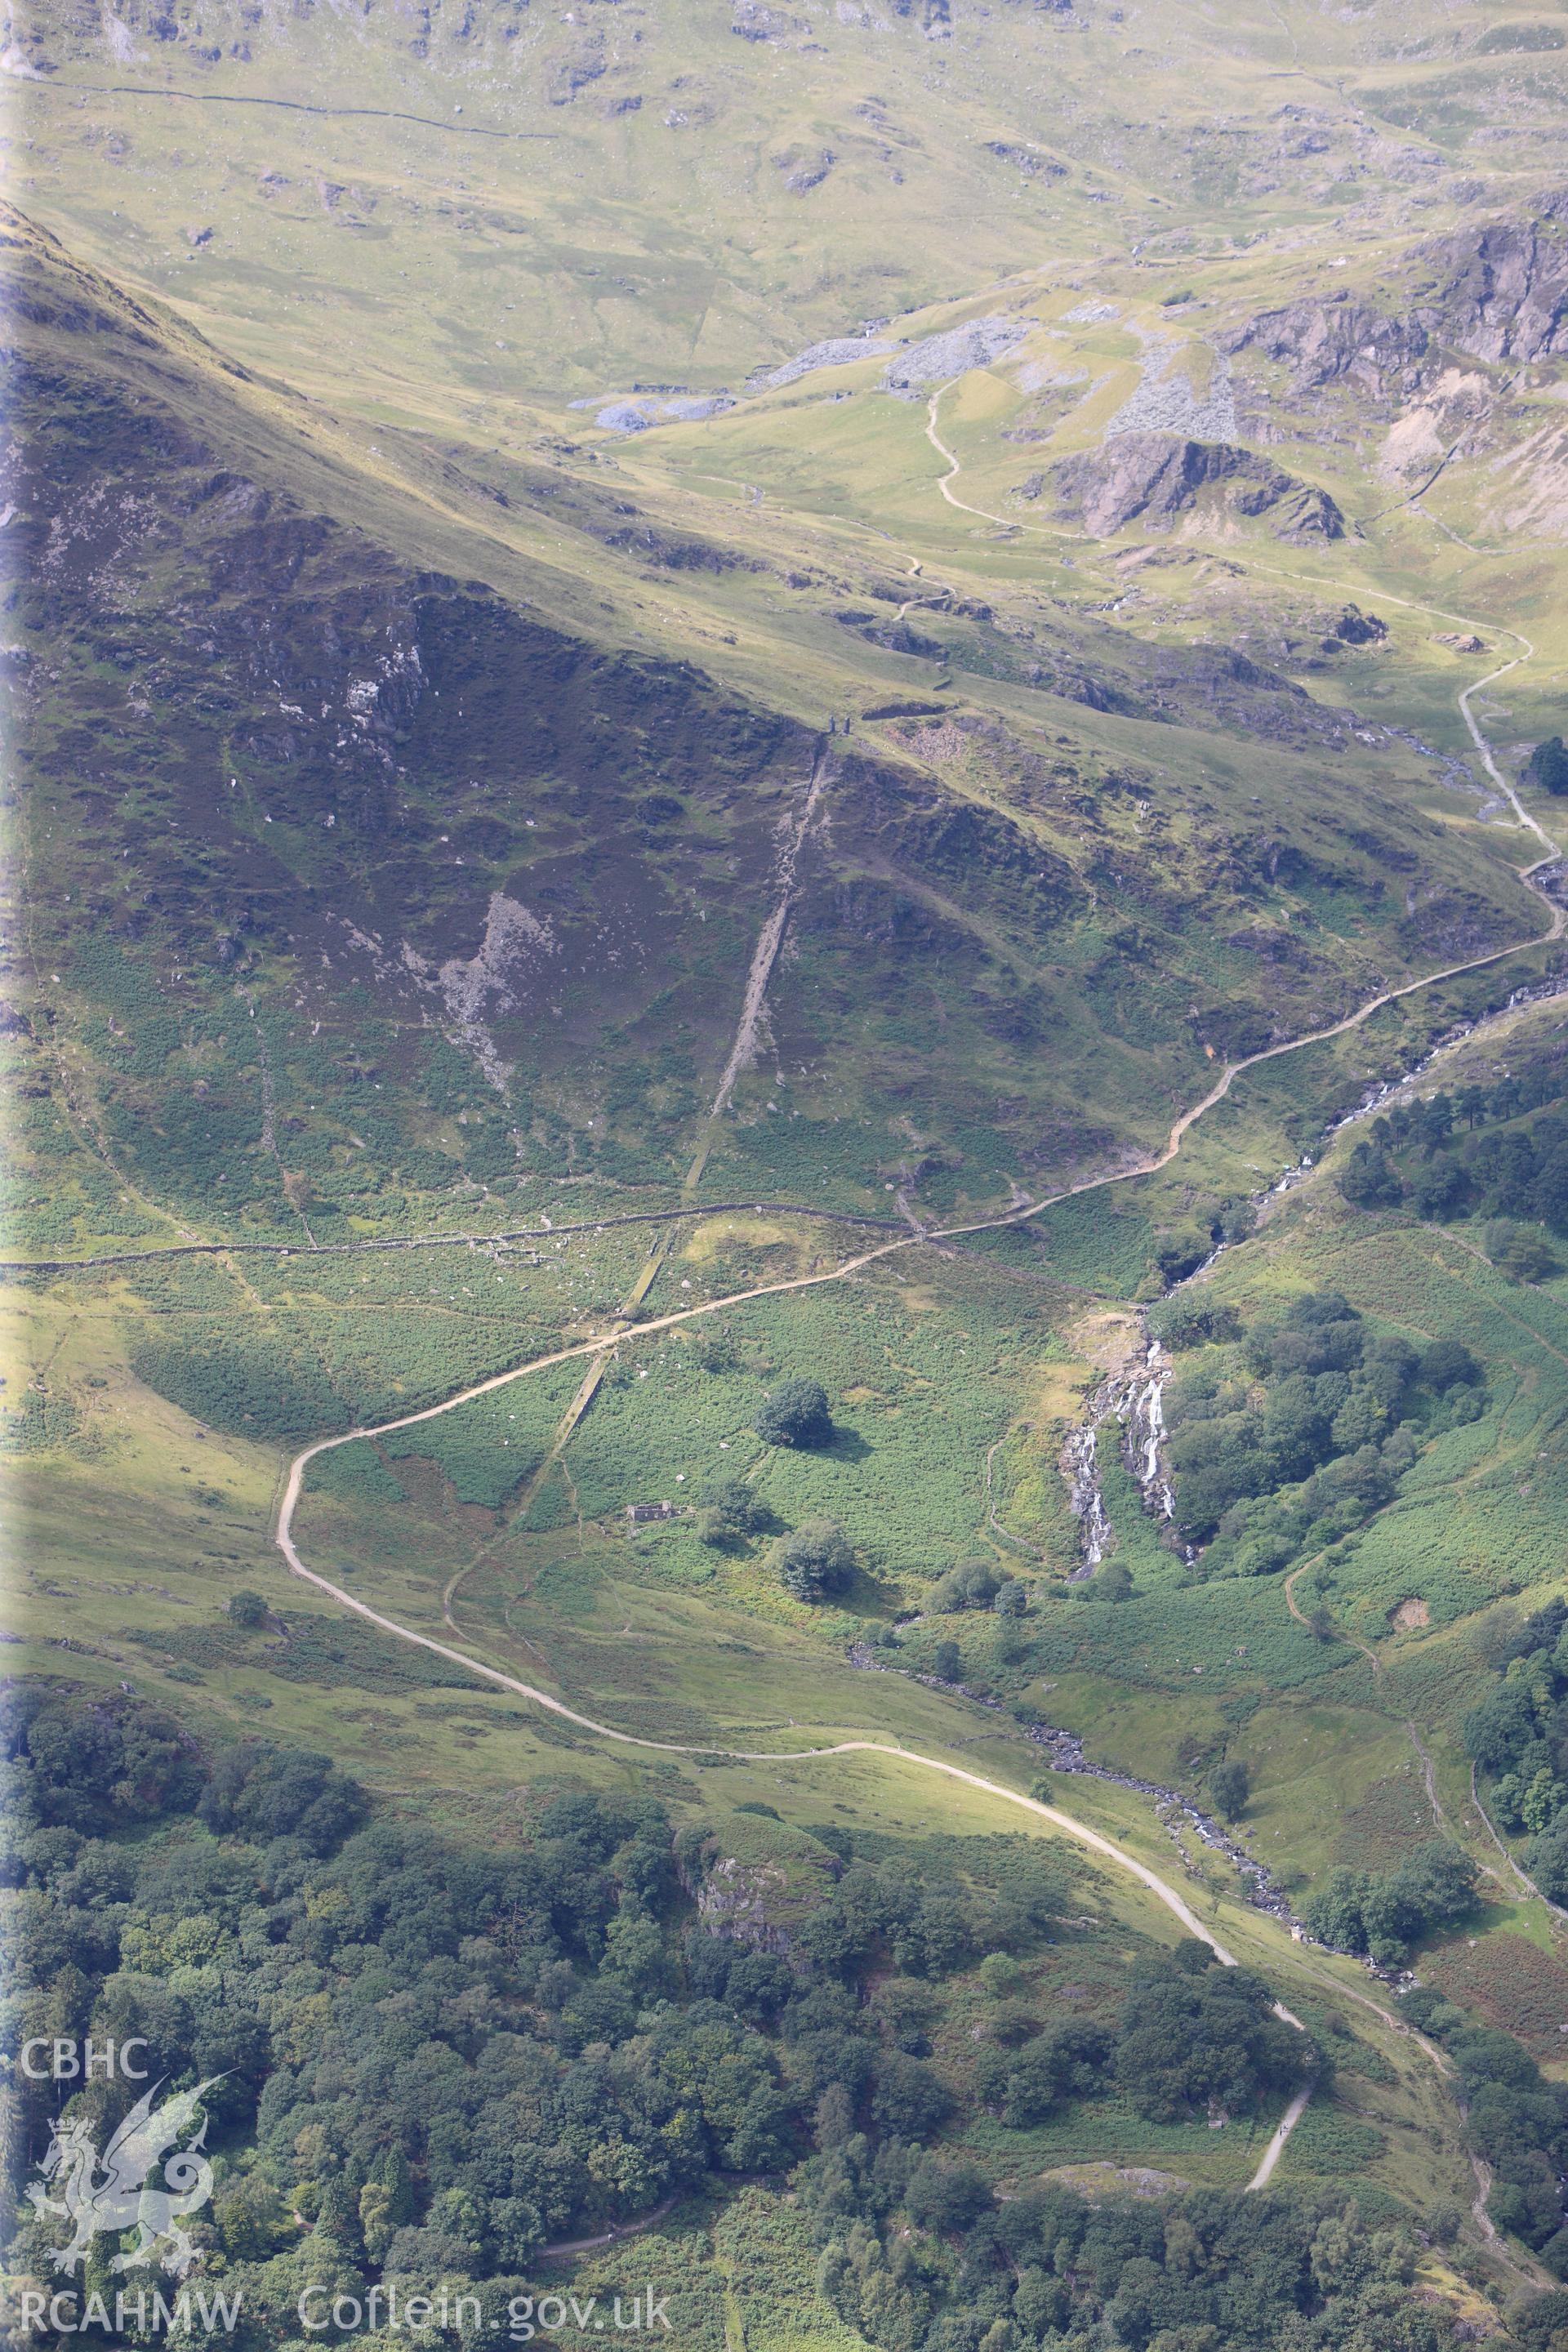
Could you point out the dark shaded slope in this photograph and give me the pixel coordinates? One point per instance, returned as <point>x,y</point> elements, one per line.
<point>363,880</point>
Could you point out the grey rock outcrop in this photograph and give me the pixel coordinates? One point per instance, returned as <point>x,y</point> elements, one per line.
<point>1500,291</point>
<point>1331,340</point>
<point>1154,477</point>
<point>1496,290</point>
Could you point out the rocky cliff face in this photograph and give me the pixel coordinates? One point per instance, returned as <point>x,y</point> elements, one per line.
<point>1152,477</point>
<point>1496,292</point>
<point>270,743</point>
<point>1329,340</point>
<point>1499,291</point>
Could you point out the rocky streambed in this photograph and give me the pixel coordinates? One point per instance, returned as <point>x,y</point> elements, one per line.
<point>1063,1752</point>
<point>1262,1889</point>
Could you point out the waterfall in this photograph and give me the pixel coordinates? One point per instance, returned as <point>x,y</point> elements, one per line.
<point>1145,1421</point>
<point>1088,1502</point>
<point>1135,1397</point>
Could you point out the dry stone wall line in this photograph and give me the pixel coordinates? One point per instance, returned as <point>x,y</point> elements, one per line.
<point>502,1239</point>
<point>298,106</point>
<point>765,954</point>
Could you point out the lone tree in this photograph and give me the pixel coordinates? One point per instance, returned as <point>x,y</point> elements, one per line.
<point>732,1512</point>
<point>247,1608</point>
<point>1230,1785</point>
<point>815,1562</point>
<point>1114,1581</point>
<point>973,1584</point>
<point>1519,1251</point>
<point>1548,766</point>
<point>795,1414</point>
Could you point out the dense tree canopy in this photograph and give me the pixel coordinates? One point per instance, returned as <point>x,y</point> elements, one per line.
<point>795,1414</point>
<point>1359,1911</point>
<point>1499,1152</point>
<point>1199,2038</point>
<point>438,2060</point>
<point>1305,1430</point>
<point>1518,1734</point>
<point>816,1562</point>
<point>1516,2121</point>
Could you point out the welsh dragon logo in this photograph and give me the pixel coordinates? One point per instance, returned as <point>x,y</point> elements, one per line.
<point>112,2192</point>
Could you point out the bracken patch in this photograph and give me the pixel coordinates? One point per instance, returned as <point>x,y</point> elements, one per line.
<point>1512,1983</point>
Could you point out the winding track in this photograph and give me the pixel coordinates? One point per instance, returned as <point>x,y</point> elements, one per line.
<point>1283,2131</point>
<point>1104,1846</point>
<point>1528,873</point>
<point>1160,1888</point>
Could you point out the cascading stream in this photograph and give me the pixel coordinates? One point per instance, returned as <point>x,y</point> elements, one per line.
<point>1146,1433</point>
<point>1133,1396</point>
<point>1088,1502</point>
